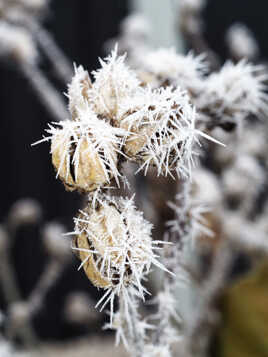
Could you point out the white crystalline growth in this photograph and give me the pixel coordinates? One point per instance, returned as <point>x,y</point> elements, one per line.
<point>189,222</point>
<point>112,83</point>
<point>164,120</point>
<point>123,245</point>
<point>236,91</point>
<point>181,70</point>
<point>17,43</point>
<point>77,90</point>
<point>104,141</point>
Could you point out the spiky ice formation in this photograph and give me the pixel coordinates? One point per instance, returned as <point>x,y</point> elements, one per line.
<point>162,130</point>
<point>235,92</point>
<point>85,152</point>
<point>114,243</point>
<point>167,66</point>
<point>113,82</point>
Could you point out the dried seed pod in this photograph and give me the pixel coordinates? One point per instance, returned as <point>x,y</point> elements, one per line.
<point>114,243</point>
<point>113,82</point>
<point>161,125</point>
<point>90,173</point>
<point>85,151</point>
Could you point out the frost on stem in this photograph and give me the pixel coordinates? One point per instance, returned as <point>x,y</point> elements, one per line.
<point>234,93</point>
<point>115,246</point>
<point>85,152</point>
<point>189,222</point>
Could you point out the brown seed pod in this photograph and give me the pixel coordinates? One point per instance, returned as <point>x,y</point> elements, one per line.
<point>99,272</point>
<point>114,244</point>
<point>92,271</point>
<point>78,164</point>
<point>137,140</point>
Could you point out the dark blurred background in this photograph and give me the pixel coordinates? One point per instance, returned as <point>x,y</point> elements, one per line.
<point>80,28</point>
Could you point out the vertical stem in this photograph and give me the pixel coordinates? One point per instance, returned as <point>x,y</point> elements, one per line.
<point>131,317</point>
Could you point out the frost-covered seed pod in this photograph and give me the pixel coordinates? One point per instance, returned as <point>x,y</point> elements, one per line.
<point>103,233</point>
<point>85,151</point>
<point>164,67</point>
<point>113,82</point>
<point>114,243</point>
<point>161,126</point>
<point>90,173</point>
<point>234,93</point>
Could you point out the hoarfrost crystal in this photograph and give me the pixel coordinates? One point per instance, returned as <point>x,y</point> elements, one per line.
<point>115,246</point>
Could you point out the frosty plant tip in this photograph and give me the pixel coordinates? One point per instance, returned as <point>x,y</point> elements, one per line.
<point>114,243</point>
<point>115,118</point>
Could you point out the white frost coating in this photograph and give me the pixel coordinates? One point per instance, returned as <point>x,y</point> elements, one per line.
<point>237,90</point>
<point>103,140</point>
<point>165,120</point>
<point>113,82</point>
<point>77,90</point>
<point>183,71</point>
<point>124,246</point>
